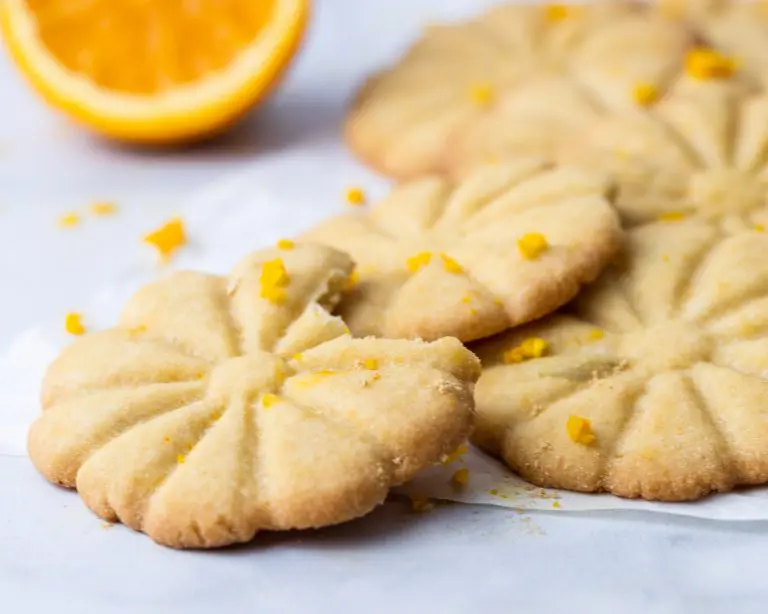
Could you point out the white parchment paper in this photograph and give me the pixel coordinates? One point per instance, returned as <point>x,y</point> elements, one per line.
<point>251,210</point>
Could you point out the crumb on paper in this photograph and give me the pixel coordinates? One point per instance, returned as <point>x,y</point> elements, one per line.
<point>421,503</point>
<point>455,455</point>
<point>107,525</point>
<point>73,324</point>
<point>460,478</point>
<point>168,238</point>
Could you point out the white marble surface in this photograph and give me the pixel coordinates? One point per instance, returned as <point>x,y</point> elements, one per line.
<point>54,556</point>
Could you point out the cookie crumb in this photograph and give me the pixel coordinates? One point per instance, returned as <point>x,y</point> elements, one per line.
<point>580,430</point>
<point>421,503</point>
<point>107,525</point>
<point>73,324</point>
<point>460,478</point>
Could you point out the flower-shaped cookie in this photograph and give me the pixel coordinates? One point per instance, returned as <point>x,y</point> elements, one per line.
<point>511,243</point>
<point>701,152</point>
<point>220,407</point>
<point>655,386</point>
<point>510,81</point>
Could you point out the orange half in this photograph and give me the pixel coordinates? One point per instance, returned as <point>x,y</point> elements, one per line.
<point>154,71</point>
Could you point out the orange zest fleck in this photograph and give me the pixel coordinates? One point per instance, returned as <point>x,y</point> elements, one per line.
<point>703,63</point>
<point>103,208</point>
<point>422,259</point>
<point>580,430</point>
<point>69,220</point>
<point>73,324</point>
<point>482,94</point>
<point>460,477</point>
<point>671,216</point>
<point>450,265</point>
<point>455,455</point>
<point>532,245</point>
<point>556,12</point>
<point>355,196</point>
<point>421,504</point>
<point>645,94</point>
<point>167,238</point>
<point>274,278</point>
<point>532,347</point>
<point>269,399</point>
<point>285,244</point>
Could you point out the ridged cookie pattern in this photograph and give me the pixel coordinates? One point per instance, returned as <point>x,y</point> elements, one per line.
<point>220,407</point>
<point>436,258</point>
<point>655,385</point>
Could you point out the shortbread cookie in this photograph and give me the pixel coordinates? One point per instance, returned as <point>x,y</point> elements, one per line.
<point>221,407</point>
<point>702,153</point>
<point>510,82</point>
<point>654,386</point>
<point>511,243</point>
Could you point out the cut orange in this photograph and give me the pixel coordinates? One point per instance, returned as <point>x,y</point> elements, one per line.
<point>154,71</point>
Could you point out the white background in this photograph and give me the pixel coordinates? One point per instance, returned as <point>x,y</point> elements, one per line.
<point>55,556</point>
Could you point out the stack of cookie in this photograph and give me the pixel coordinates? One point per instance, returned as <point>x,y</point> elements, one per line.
<point>583,206</point>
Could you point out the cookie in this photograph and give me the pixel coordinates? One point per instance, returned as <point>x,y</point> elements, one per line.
<point>655,384</point>
<point>699,152</point>
<point>220,407</point>
<point>510,82</point>
<point>509,244</point>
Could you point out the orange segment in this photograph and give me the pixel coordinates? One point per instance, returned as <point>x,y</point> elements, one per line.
<point>157,71</point>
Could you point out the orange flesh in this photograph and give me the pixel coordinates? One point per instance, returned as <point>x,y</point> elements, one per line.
<point>148,46</point>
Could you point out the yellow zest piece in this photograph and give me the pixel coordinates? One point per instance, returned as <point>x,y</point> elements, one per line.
<point>466,299</point>
<point>158,72</point>
<point>421,503</point>
<point>455,455</point>
<point>482,94</point>
<point>460,477</point>
<point>672,216</point>
<point>137,330</point>
<point>297,356</point>
<point>422,259</point>
<point>215,416</point>
<point>532,347</point>
<point>180,458</point>
<point>645,94</point>
<point>371,364</point>
<point>760,227</point>
<point>556,504</point>
<point>285,244</point>
<point>532,245</point>
<point>168,238</point>
<point>580,430</point>
<point>450,265</point>
<point>596,334</point>
<point>702,63</point>
<point>69,220</point>
<point>73,324</point>
<point>269,399</point>
<point>556,12</point>
<point>355,196</point>
<point>274,278</point>
<point>353,279</point>
<point>103,208</point>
